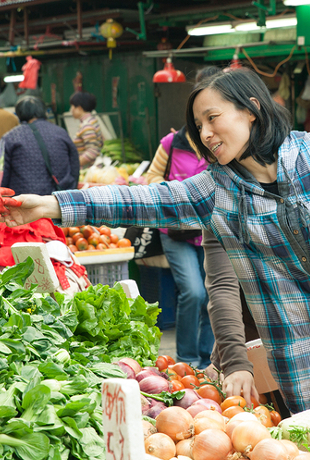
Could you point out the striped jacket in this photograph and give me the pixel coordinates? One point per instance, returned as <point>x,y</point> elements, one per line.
<point>88,140</point>
<point>266,237</point>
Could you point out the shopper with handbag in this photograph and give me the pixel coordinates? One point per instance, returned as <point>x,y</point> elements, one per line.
<point>175,159</point>
<point>39,157</point>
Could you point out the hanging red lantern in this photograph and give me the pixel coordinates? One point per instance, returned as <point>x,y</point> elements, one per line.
<point>111,30</point>
<point>169,74</point>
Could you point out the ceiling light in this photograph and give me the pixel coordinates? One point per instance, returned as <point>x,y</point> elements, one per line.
<point>13,78</point>
<point>210,30</point>
<point>296,2</point>
<point>246,26</point>
<point>169,74</point>
<point>281,22</point>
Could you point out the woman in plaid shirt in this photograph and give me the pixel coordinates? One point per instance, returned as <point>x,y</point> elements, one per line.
<point>254,197</point>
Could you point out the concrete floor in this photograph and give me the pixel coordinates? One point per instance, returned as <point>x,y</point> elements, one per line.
<point>167,343</point>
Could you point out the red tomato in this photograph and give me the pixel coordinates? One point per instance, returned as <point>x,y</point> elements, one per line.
<point>254,402</point>
<point>114,238</point>
<point>72,247</point>
<point>275,417</point>
<point>263,399</point>
<point>169,359</point>
<point>190,381</point>
<point>69,240</point>
<point>104,230</point>
<point>263,415</point>
<point>123,243</point>
<point>209,391</point>
<point>87,231</point>
<point>231,411</point>
<point>112,245</point>
<point>182,369</point>
<point>104,239</point>
<point>76,237</point>
<point>90,247</point>
<point>73,230</point>
<point>66,231</point>
<point>176,385</point>
<point>101,246</point>
<point>81,244</point>
<point>93,239</point>
<point>161,363</point>
<point>233,401</point>
<point>172,375</point>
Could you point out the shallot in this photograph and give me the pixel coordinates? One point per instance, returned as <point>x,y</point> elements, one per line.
<point>210,404</point>
<point>132,363</point>
<point>160,445</point>
<point>175,422</point>
<point>127,369</point>
<point>211,445</point>
<point>190,396</point>
<point>154,384</point>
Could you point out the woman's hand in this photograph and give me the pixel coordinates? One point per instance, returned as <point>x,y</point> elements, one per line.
<point>241,380</point>
<point>33,207</point>
<point>212,373</point>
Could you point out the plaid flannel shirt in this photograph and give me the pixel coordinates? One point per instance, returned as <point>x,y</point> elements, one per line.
<point>266,237</point>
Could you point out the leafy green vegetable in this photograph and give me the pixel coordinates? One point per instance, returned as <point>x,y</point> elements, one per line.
<point>165,397</point>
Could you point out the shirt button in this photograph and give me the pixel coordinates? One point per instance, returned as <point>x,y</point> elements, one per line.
<point>304,259</point>
<point>295,232</point>
<point>281,200</point>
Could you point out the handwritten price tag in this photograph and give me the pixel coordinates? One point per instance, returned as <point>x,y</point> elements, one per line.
<point>122,422</point>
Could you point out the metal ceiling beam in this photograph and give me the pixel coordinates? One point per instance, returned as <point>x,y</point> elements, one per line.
<point>24,4</point>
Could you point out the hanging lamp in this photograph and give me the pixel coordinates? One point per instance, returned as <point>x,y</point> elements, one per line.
<point>111,30</point>
<point>169,74</point>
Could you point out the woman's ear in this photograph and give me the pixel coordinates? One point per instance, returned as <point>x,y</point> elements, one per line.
<point>257,103</point>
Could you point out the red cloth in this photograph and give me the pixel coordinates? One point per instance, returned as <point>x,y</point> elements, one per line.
<point>31,72</point>
<point>36,232</point>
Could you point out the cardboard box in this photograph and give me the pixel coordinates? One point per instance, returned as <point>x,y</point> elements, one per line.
<point>264,381</point>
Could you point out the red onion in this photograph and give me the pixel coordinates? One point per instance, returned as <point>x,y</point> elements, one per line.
<point>194,409</point>
<point>152,369</point>
<point>152,402</point>
<point>210,404</point>
<point>145,373</point>
<point>154,384</point>
<point>145,404</point>
<point>155,410</point>
<point>127,369</point>
<point>132,363</point>
<point>188,399</point>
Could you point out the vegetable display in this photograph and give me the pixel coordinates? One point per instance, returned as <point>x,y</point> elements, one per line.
<point>54,353</point>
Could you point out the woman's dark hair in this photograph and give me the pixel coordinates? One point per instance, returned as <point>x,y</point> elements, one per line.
<point>272,123</point>
<point>85,100</point>
<point>30,107</point>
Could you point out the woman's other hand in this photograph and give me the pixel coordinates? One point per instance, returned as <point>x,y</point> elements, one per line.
<point>33,207</point>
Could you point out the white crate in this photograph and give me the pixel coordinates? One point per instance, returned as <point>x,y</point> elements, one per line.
<point>107,273</point>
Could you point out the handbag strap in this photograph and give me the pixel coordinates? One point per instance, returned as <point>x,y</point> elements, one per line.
<point>168,165</point>
<point>44,152</point>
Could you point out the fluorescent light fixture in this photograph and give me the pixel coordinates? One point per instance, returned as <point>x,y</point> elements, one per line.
<point>210,30</point>
<point>296,2</point>
<point>13,78</point>
<point>245,26</point>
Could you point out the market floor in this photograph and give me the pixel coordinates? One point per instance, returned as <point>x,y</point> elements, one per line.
<point>167,343</point>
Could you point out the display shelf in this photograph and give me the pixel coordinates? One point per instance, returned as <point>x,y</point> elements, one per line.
<point>105,256</point>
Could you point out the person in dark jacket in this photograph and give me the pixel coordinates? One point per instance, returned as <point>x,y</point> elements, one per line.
<point>25,170</point>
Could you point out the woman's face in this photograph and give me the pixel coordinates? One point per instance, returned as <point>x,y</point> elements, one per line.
<point>223,129</point>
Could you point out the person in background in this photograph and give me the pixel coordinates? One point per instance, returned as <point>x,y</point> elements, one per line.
<point>88,139</point>
<point>25,170</point>
<point>176,160</point>
<point>8,121</point>
<point>254,197</point>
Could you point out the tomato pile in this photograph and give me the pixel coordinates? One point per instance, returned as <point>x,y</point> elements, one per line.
<point>89,238</point>
<point>201,423</point>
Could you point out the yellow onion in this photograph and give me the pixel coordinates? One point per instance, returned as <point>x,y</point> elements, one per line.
<point>211,445</point>
<point>214,414</point>
<point>291,448</point>
<point>246,435</point>
<point>269,449</point>
<point>205,423</point>
<point>176,422</point>
<point>160,445</point>
<point>231,425</point>
<point>184,447</point>
<point>148,429</point>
